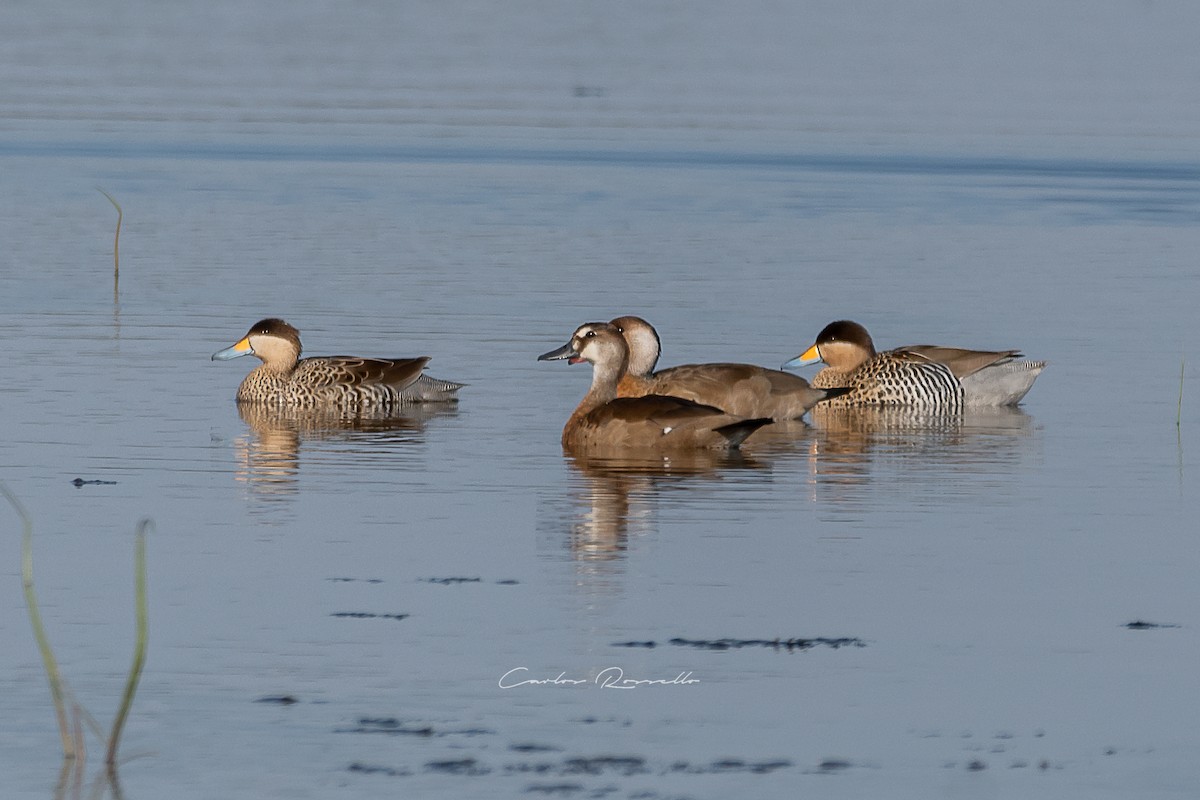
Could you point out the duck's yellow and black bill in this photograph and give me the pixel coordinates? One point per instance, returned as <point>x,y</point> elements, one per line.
<point>240,348</point>
<point>810,356</point>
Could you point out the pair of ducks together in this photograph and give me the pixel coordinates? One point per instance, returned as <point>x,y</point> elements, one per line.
<point>630,405</point>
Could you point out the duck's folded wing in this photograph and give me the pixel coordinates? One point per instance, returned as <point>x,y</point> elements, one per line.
<point>398,373</point>
<point>744,390</point>
<point>961,362</point>
<point>708,384</point>
<point>660,410</point>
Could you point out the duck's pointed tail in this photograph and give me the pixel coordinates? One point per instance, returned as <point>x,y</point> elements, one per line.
<point>736,432</point>
<point>428,389</point>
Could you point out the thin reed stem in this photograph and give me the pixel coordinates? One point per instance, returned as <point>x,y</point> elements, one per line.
<point>139,647</point>
<point>1179,409</point>
<point>57,693</point>
<point>116,236</point>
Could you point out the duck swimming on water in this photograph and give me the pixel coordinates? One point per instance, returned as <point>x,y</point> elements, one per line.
<point>286,380</point>
<point>919,376</point>
<point>653,422</point>
<point>743,390</point>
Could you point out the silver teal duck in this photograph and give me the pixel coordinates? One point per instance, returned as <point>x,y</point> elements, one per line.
<point>919,376</point>
<point>743,390</point>
<point>286,380</point>
<point>603,421</point>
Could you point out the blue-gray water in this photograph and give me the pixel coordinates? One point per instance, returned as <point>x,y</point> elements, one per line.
<point>400,180</point>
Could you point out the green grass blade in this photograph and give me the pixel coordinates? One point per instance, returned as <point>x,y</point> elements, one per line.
<point>57,692</point>
<point>139,647</point>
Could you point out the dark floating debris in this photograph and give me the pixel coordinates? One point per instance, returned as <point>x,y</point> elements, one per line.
<point>367,615</point>
<point>394,727</point>
<point>790,645</point>
<point>566,768</point>
<point>590,720</point>
<point>81,482</point>
<point>598,765</point>
<point>389,725</point>
<point>555,788</point>
<point>278,699</point>
<point>461,766</point>
<point>729,765</point>
<point>831,765</point>
<point>355,580</point>
<point>533,748</point>
<point>581,765</point>
<point>763,767</point>
<point>455,581</point>
<point>738,765</point>
<point>372,769</point>
<point>1142,625</point>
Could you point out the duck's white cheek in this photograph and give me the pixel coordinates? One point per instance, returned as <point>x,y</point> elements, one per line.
<point>667,430</point>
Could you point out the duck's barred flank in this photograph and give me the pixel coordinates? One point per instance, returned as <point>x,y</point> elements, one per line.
<point>318,383</point>
<point>889,381</point>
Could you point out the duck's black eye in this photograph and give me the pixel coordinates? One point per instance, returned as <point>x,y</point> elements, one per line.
<point>619,328</point>
<point>590,334</point>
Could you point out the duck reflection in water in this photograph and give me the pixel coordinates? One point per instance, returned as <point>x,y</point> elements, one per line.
<point>269,454</point>
<point>852,453</point>
<point>615,496</point>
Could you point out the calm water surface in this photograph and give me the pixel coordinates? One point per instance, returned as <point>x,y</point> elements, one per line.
<point>388,575</point>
